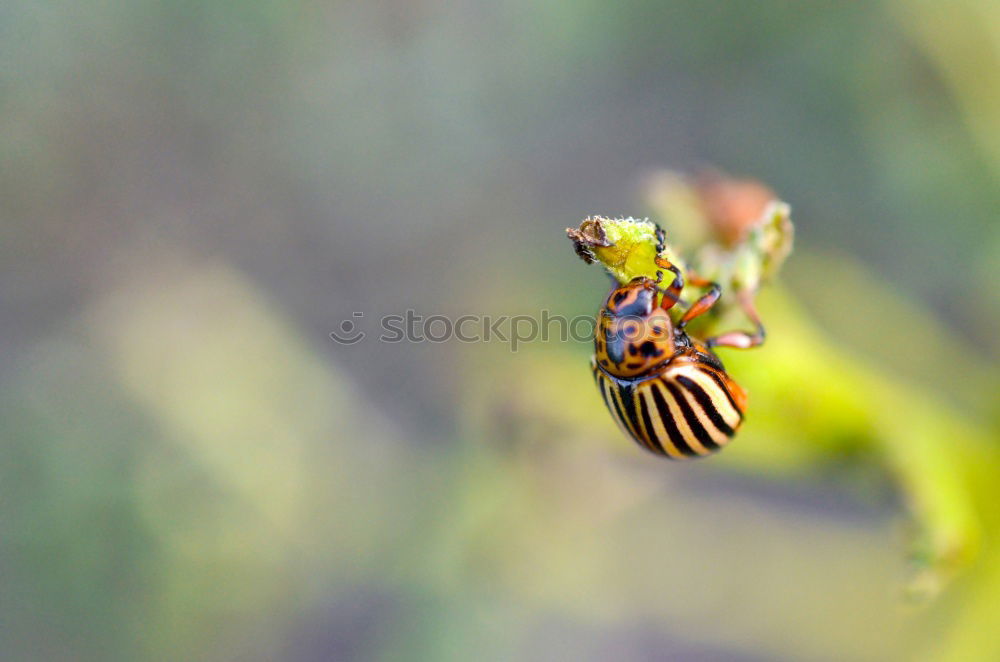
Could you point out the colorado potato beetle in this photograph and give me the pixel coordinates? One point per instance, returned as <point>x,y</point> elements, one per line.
<point>667,391</point>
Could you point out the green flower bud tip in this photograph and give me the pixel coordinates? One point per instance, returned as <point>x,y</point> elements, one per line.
<point>626,247</point>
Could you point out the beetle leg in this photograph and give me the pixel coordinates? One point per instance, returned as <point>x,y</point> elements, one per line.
<point>673,292</point>
<point>742,339</point>
<point>704,303</point>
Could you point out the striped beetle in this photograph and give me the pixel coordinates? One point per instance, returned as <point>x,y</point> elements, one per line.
<point>666,390</point>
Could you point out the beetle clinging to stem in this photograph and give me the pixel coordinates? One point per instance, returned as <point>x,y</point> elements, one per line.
<point>667,390</point>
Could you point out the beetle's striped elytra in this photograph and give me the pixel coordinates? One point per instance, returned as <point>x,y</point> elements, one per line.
<point>688,409</point>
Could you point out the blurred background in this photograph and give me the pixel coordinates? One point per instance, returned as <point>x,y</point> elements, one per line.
<point>195,194</point>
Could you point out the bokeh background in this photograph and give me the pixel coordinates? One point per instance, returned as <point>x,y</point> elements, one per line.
<point>195,194</point>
